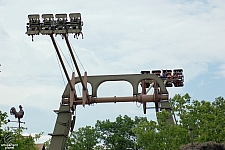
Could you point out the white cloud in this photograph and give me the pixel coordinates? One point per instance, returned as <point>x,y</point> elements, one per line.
<point>119,37</point>
<point>42,139</point>
<point>222,72</point>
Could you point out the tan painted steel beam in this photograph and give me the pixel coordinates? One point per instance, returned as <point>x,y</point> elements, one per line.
<point>133,79</point>
<point>139,98</point>
<point>74,60</point>
<point>61,61</point>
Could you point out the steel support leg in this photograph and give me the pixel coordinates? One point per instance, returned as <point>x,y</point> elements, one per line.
<point>61,130</point>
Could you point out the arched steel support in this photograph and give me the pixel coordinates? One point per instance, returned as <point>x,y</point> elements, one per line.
<point>133,79</point>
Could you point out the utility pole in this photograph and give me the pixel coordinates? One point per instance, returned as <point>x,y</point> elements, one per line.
<point>191,137</point>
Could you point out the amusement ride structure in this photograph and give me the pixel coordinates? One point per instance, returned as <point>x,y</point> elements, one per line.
<point>157,79</point>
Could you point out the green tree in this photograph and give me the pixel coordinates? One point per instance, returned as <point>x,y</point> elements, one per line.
<point>205,118</point>
<point>47,144</point>
<point>105,134</point>
<point>3,121</point>
<point>15,137</point>
<point>160,136</point>
<point>118,134</point>
<point>83,139</point>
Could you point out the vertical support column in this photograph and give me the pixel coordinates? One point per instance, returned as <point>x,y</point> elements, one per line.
<point>166,105</point>
<point>61,130</point>
<point>84,91</point>
<point>156,96</point>
<point>73,95</point>
<point>144,93</point>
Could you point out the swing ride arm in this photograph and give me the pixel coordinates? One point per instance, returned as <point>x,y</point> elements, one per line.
<point>65,120</point>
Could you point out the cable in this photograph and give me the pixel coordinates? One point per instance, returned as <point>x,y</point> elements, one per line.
<point>78,58</point>
<point>71,62</point>
<point>64,56</point>
<point>60,68</point>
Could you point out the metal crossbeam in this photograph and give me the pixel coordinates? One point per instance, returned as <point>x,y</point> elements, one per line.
<point>133,79</point>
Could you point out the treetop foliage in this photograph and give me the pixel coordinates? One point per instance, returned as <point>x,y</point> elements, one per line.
<point>204,119</point>
<point>197,121</point>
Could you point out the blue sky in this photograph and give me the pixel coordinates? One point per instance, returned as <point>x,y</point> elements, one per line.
<point>120,37</point>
